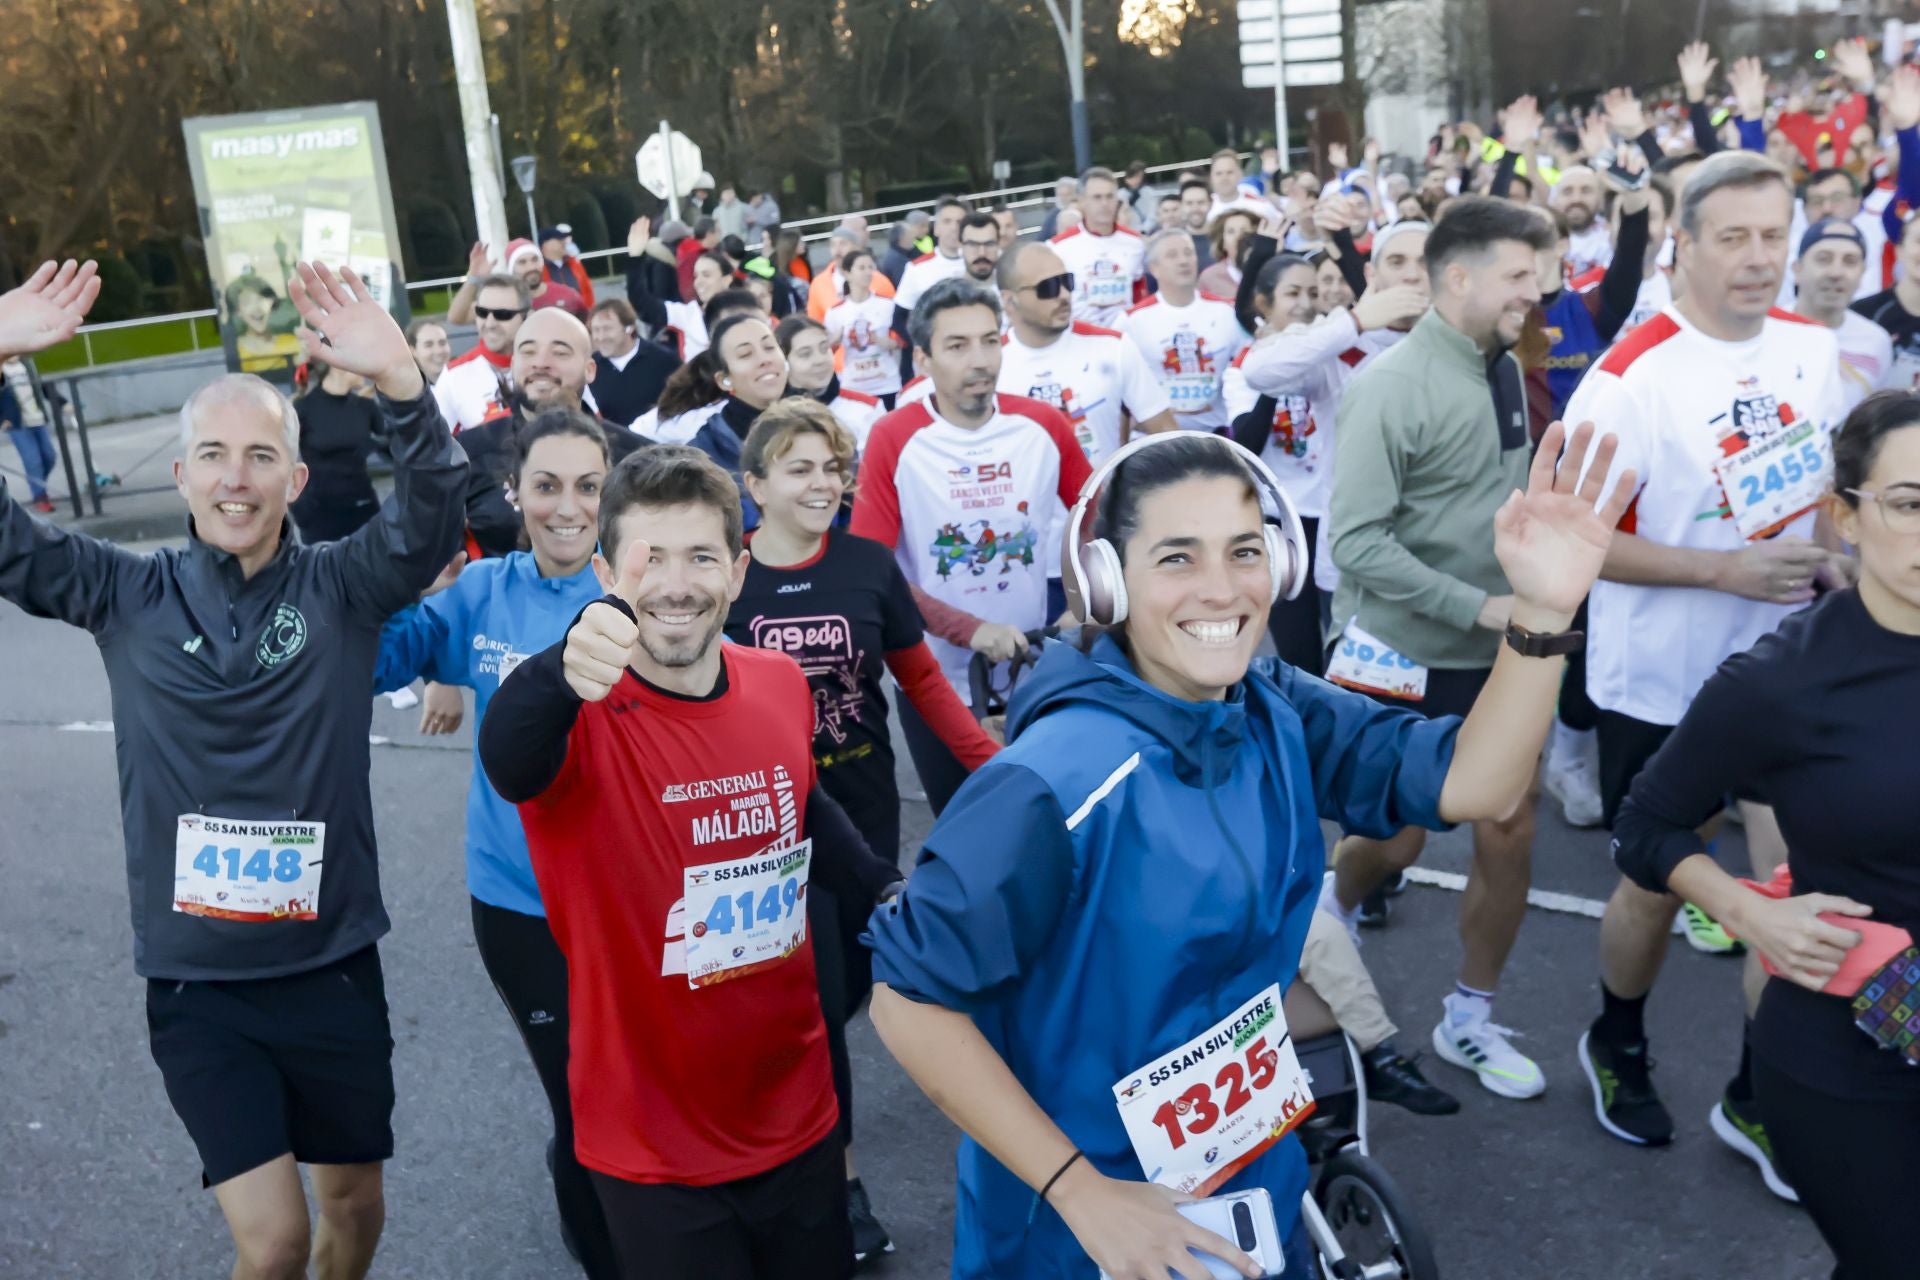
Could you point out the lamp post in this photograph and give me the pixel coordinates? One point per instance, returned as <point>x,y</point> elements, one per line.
<point>523,174</point>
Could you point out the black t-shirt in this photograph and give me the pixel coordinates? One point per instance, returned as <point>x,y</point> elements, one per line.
<point>1885,310</point>
<point>1817,716</point>
<point>837,615</point>
<point>336,435</point>
<point>625,394</point>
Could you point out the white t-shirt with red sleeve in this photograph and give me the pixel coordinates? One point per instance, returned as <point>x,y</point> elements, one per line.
<point>870,364</point>
<point>1189,350</point>
<point>966,511</point>
<point>1713,431</point>
<point>1107,271</point>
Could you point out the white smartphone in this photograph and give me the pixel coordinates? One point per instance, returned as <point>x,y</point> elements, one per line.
<point>1244,1217</point>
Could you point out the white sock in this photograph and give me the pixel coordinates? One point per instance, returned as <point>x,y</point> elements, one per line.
<point>1465,1004</point>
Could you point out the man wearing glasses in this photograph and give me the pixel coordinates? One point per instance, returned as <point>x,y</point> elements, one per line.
<point>477,383</point>
<point>1724,409</point>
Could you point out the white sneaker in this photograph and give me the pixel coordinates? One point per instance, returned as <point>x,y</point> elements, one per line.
<point>1469,1040</point>
<point>1329,903</point>
<point>1572,777</point>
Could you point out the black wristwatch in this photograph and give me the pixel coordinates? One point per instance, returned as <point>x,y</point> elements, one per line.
<point>1544,644</point>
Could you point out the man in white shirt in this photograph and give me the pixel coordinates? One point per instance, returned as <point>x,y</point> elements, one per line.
<point>961,485</point>
<point>475,384</point>
<point>1833,257</point>
<point>1723,408</point>
<point>1835,193</point>
<point>1189,338</point>
<point>1580,197</point>
<point>927,270</point>
<point>1108,261</point>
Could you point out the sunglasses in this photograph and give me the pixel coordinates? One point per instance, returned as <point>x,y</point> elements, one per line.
<point>499,313</point>
<point>1052,286</point>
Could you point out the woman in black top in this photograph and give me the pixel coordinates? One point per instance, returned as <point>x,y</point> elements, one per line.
<point>1819,717</point>
<point>339,426</point>
<point>840,606</point>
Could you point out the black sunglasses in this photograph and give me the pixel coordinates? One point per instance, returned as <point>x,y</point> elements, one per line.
<point>1052,286</point>
<point>499,313</point>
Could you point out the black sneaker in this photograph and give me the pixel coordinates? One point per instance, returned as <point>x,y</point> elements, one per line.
<point>1373,909</point>
<point>1623,1098</point>
<point>1737,1123</point>
<point>1396,886</point>
<point>870,1239</point>
<point>1396,1079</point>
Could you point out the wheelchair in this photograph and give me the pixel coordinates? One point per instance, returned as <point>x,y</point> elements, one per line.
<point>1359,1220</point>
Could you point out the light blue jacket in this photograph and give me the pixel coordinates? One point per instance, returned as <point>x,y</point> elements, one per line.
<point>1128,872</point>
<point>499,613</point>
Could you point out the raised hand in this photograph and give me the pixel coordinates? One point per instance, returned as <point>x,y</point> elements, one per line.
<point>1551,540</point>
<point>1624,113</point>
<point>1696,69</point>
<point>1332,214</point>
<point>600,645</point>
<point>1391,308</point>
<point>48,308</point>
<point>1851,60</point>
<point>1370,156</point>
<point>1337,156</point>
<point>1901,98</point>
<point>1520,123</point>
<point>479,261</point>
<point>638,234</point>
<point>1748,80</point>
<point>1632,200</point>
<point>1595,135</point>
<point>348,329</point>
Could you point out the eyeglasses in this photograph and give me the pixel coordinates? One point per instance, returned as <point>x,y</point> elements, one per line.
<point>1052,286</point>
<point>499,313</point>
<point>1899,510</point>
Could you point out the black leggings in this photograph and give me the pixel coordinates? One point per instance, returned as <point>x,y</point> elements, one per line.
<point>843,967</point>
<point>940,773</point>
<point>1855,1165</point>
<point>1299,633</point>
<point>530,974</point>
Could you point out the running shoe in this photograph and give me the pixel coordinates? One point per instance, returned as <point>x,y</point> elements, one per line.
<point>1738,1125</point>
<point>870,1239</point>
<point>1374,910</point>
<point>1573,780</point>
<point>1624,1101</point>
<point>1395,1078</point>
<point>1396,886</point>
<point>1705,934</point>
<point>1468,1039</point>
<point>43,505</point>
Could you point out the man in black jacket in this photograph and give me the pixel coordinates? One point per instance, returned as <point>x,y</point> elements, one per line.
<point>629,371</point>
<point>239,666</point>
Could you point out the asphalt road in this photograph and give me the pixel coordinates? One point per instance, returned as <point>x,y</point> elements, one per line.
<point>97,1178</point>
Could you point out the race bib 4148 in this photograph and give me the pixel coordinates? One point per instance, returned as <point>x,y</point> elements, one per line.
<point>252,871</point>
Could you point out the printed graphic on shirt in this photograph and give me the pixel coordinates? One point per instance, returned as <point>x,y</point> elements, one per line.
<point>496,658</point>
<point>1749,418</point>
<point>283,639</point>
<point>1293,431</point>
<point>976,546</point>
<point>823,646</point>
<point>757,803</point>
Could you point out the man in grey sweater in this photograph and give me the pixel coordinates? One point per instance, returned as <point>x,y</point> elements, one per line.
<point>240,667</point>
<point>1431,439</point>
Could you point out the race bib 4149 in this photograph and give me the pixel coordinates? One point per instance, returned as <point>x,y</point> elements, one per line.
<point>745,914</point>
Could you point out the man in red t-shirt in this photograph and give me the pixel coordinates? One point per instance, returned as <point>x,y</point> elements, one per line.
<point>666,785</point>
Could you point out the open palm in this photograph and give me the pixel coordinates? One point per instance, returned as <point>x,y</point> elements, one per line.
<point>345,326</point>
<point>48,308</point>
<point>1552,539</point>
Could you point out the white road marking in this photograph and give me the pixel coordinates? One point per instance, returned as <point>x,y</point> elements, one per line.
<point>1545,899</point>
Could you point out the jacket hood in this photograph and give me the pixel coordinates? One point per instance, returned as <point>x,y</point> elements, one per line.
<point>1203,736</point>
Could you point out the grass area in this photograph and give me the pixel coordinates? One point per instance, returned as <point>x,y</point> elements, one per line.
<point>136,343</point>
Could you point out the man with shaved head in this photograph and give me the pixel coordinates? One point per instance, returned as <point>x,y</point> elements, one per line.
<point>240,666</point>
<point>553,367</point>
<point>1581,199</point>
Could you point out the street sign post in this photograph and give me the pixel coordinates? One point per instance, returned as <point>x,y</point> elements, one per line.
<point>667,164</point>
<point>1289,43</point>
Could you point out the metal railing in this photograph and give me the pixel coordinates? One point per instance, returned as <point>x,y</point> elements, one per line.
<point>1021,197</point>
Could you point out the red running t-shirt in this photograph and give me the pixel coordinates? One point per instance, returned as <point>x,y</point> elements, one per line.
<point>672,1083</point>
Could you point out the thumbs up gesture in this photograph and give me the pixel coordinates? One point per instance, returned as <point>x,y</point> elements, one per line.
<point>600,645</point>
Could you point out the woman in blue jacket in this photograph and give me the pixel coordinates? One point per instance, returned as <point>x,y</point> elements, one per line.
<point>499,612</point>
<point>1086,968</point>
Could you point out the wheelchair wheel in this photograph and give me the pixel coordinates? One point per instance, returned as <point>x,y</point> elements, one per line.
<point>1372,1222</point>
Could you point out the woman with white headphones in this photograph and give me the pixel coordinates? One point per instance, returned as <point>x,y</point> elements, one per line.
<point>1087,967</point>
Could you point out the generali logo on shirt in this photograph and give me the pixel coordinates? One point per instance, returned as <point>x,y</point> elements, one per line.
<point>739,805</point>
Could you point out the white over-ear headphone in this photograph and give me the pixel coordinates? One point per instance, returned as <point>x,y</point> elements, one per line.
<point>1096,586</point>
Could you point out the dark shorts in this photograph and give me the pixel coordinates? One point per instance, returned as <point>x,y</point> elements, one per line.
<point>1450,692</point>
<point>789,1223</point>
<point>260,1068</point>
<point>1626,745</point>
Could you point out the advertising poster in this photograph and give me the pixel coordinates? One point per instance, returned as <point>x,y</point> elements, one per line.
<point>278,187</point>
